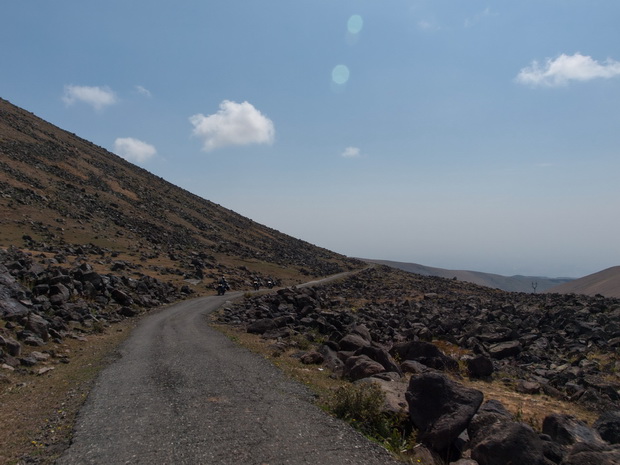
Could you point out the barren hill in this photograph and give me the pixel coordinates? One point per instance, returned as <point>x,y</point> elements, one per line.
<point>59,192</point>
<point>606,283</point>
<point>506,283</point>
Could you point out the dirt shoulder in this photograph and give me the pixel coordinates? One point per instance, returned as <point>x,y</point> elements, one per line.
<point>38,411</point>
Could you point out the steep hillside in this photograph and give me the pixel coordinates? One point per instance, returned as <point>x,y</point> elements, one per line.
<point>61,193</point>
<point>606,283</point>
<point>495,281</point>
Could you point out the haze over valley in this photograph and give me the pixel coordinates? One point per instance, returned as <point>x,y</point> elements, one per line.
<point>457,135</point>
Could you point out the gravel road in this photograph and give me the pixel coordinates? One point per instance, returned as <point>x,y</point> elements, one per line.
<point>183,393</point>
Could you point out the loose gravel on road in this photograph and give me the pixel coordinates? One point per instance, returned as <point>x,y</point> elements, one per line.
<point>183,393</point>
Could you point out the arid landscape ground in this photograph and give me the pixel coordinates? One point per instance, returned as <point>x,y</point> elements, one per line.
<point>90,244</point>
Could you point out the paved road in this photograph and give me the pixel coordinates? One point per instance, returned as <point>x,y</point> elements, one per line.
<point>182,393</point>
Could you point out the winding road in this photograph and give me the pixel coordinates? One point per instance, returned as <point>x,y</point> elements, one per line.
<point>183,393</point>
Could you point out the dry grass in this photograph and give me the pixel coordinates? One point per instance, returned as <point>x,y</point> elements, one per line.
<point>531,409</point>
<point>313,376</point>
<point>37,413</point>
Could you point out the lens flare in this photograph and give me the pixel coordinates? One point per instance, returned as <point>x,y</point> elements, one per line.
<point>355,24</point>
<point>340,74</point>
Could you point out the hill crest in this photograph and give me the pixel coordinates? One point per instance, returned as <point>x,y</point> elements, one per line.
<point>605,283</point>
<point>495,281</point>
<point>59,191</point>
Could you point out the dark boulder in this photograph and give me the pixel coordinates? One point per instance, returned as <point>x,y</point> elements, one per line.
<point>440,408</point>
<point>505,349</point>
<point>567,430</point>
<point>411,366</point>
<point>479,366</point>
<point>353,342</point>
<point>483,422</point>
<point>59,294</point>
<point>591,454</point>
<point>509,443</point>
<point>362,331</point>
<point>608,426</point>
<point>11,309</point>
<point>38,326</point>
<point>494,406</point>
<point>122,298</point>
<point>552,451</point>
<point>312,358</point>
<point>425,353</point>
<point>12,347</point>
<point>128,312</point>
<point>261,326</point>
<point>382,356</point>
<point>361,366</point>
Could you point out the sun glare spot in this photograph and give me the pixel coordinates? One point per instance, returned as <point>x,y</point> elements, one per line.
<point>340,74</point>
<point>355,24</point>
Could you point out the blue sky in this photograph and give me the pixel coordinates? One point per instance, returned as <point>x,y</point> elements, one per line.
<point>457,134</point>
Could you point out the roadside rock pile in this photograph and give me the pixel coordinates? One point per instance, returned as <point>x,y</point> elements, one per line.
<point>41,303</point>
<point>379,324</point>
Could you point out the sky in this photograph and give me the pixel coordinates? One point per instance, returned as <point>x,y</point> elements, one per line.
<point>477,135</point>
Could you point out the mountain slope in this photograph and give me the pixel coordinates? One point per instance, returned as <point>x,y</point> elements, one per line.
<point>606,283</point>
<point>495,281</point>
<point>58,190</point>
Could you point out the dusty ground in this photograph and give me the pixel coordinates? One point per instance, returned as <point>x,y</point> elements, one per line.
<point>531,409</point>
<point>38,411</point>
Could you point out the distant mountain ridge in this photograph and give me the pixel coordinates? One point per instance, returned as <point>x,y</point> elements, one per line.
<point>506,283</point>
<point>605,282</point>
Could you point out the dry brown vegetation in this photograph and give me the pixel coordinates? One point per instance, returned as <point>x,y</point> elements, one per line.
<point>531,409</point>
<point>37,412</point>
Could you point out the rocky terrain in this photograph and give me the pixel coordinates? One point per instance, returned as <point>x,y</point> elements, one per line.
<point>385,326</point>
<point>88,239</point>
<point>47,298</point>
<point>60,192</point>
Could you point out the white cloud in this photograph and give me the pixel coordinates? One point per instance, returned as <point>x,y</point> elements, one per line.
<point>234,124</point>
<point>426,25</point>
<point>351,152</point>
<point>567,68</point>
<point>98,97</point>
<point>133,150</point>
<point>144,91</point>
<point>470,22</point>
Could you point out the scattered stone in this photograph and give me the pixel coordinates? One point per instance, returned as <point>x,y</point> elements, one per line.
<point>479,366</point>
<point>312,358</point>
<point>361,366</point>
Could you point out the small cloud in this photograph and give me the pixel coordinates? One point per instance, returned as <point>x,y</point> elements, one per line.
<point>425,25</point>
<point>565,68</point>
<point>133,150</point>
<point>234,124</point>
<point>98,97</point>
<point>469,22</point>
<point>144,91</point>
<point>351,152</point>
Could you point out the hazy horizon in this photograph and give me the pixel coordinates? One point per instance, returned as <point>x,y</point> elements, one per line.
<point>459,135</point>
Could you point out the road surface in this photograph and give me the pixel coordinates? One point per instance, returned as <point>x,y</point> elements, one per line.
<point>183,393</point>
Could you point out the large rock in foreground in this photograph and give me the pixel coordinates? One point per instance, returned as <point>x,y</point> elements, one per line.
<point>440,408</point>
